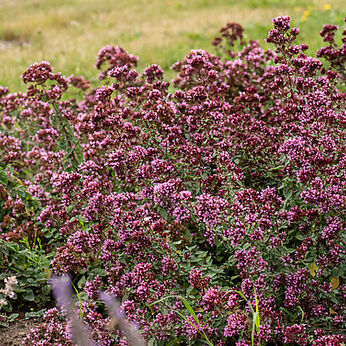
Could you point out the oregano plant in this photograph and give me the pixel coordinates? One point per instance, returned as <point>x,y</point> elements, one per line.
<point>212,209</point>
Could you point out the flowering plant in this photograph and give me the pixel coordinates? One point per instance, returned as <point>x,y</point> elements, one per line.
<point>7,291</point>
<point>228,191</point>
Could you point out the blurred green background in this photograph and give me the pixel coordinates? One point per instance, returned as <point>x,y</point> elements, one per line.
<point>69,33</point>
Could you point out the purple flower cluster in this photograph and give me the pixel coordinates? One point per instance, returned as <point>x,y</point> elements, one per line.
<point>233,182</point>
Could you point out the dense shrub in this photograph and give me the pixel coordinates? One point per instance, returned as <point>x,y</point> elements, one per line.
<point>233,182</point>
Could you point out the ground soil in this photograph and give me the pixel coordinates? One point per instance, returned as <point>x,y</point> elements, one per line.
<point>17,331</point>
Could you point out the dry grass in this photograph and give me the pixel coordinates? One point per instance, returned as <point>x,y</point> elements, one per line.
<point>69,33</point>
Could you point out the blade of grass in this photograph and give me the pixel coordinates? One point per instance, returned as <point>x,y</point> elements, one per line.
<point>242,295</point>
<point>254,317</point>
<point>301,321</point>
<point>198,330</point>
<point>258,322</point>
<point>189,308</point>
<point>191,311</point>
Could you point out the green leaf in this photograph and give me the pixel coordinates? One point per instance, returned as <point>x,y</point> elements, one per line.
<point>12,317</point>
<point>70,130</point>
<point>8,306</point>
<point>34,314</point>
<point>18,289</point>
<point>79,153</point>
<point>300,237</point>
<point>288,192</point>
<point>163,213</point>
<point>81,282</point>
<point>69,208</point>
<point>3,178</point>
<point>29,295</point>
<point>174,342</point>
<point>46,289</point>
<point>55,121</point>
<point>4,249</point>
<point>63,144</point>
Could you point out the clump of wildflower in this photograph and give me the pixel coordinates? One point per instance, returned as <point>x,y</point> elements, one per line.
<point>8,290</point>
<point>233,182</point>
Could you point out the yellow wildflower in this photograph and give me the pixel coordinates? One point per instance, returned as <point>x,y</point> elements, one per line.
<point>327,7</point>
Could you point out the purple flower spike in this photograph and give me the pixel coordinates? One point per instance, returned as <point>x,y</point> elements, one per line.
<point>118,321</point>
<point>112,304</point>
<point>63,296</point>
<point>61,290</point>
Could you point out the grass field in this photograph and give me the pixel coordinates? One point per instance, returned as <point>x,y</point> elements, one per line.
<point>69,33</point>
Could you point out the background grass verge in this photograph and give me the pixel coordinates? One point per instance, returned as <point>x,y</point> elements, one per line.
<point>69,33</point>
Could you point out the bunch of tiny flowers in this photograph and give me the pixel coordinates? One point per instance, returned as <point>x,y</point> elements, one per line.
<point>8,291</point>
